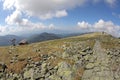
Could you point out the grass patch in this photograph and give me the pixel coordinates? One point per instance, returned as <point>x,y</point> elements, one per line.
<point>48,47</point>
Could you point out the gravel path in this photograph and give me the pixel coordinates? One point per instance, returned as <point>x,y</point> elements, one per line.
<point>98,67</point>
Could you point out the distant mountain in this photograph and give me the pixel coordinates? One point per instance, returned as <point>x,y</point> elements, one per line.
<point>43,37</point>
<point>6,40</point>
<point>67,58</point>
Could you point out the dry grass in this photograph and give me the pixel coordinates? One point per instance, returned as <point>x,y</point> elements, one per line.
<point>16,67</point>
<point>35,59</point>
<point>79,74</point>
<point>54,62</point>
<point>109,42</point>
<point>48,47</point>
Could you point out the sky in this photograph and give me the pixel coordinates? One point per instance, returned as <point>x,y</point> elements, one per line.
<point>59,16</point>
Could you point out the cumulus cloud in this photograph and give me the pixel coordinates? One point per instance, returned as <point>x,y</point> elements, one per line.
<point>101,25</point>
<point>8,4</point>
<point>31,28</point>
<point>3,29</point>
<point>43,9</point>
<point>111,2</point>
<point>15,23</point>
<point>14,18</point>
<point>51,26</point>
<point>116,15</point>
<point>61,13</point>
<point>57,14</point>
<point>96,1</point>
<point>46,9</point>
<point>83,25</point>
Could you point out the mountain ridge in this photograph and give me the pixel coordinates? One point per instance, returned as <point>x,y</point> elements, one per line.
<point>72,58</point>
<point>6,40</point>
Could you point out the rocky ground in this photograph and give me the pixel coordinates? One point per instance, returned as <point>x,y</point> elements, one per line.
<point>100,68</point>
<point>77,62</point>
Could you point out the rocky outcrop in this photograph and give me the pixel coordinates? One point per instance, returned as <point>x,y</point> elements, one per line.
<point>76,62</point>
<point>100,68</point>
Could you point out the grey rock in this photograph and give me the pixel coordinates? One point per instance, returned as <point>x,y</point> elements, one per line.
<point>37,76</point>
<point>29,74</point>
<point>90,66</point>
<point>87,57</point>
<point>47,75</point>
<point>87,74</point>
<point>44,68</point>
<point>37,63</point>
<point>54,77</point>
<point>65,71</point>
<point>65,55</point>
<point>83,53</point>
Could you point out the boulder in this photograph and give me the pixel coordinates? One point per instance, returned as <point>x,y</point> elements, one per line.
<point>65,55</point>
<point>83,53</point>
<point>28,74</point>
<point>37,76</point>
<point>44,68</point>
<point>87,74</point>
<point>54,77</point>
<point>90,66</point>
<point>65,71</point>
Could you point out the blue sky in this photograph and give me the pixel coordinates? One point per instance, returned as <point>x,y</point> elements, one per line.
<point>19,16</point>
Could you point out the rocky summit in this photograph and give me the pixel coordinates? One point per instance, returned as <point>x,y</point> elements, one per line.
<point>94,56</point>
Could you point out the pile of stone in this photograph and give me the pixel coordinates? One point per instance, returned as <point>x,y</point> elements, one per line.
<point>95,61</point>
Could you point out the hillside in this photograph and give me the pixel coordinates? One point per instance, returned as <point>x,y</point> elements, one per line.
<point>6,40</point>
<point>93,56</point>
<point>43,37</point>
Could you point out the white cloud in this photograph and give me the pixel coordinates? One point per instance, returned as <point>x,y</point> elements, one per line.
<point>29,28</point>
<point>101,25</point>
<point>18,25</point>
<point>51,26</point>
<point>14,18</point>
<point>96,1</point>
<point>8,4</point>
<point>3,29</point>
<point>111,2</point>
<point>57,14</point>
<point>61,13</point>
<point>116,15</point>
<point>15,23</point>
<point>46,9</point>
<point>83,25</point>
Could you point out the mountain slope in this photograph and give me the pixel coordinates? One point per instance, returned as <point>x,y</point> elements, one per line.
<point>73,58</point>
<point>6,40</point>
<point>43,37</point>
